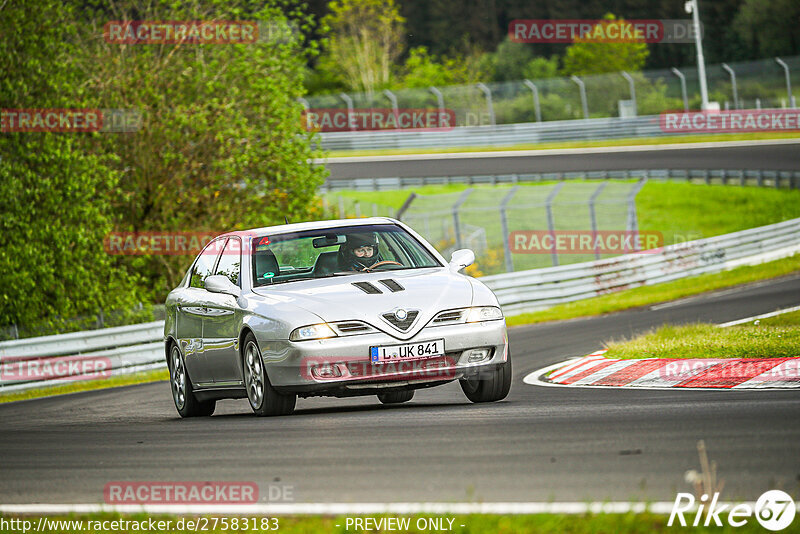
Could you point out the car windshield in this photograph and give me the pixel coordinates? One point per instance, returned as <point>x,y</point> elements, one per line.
<point>281,258</point>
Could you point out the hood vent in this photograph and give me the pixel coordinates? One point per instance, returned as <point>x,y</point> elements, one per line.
<point>366,287</point>
<point>392,285</point>
<point>403,325</point>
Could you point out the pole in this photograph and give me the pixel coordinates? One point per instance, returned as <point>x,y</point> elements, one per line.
<point>733,85</point>
<point>582,88</point>
<point>593,216</point>
<point>489,105</point>
<point>551,223</point>
<point>456,222</point>
<point>393,99</point>
<point>633,90</point>
<point>691,6</point>
<point>536,107</point>
<point>349,102</point>
<point>682,78</point>
<point>504,228</point>
<point>783,64</point>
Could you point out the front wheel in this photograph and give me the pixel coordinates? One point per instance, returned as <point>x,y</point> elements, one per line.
<point>491,388</point>
<point>262,396</point>
<point>183,396</point>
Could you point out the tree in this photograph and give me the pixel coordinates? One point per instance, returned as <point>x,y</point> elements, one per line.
<point>222,145</point>
<point>53,191</point>
<point>770,27</point>
<point>598,54</point>
<point>365,42</point>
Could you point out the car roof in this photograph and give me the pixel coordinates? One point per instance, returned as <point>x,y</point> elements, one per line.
<point>313,225</point>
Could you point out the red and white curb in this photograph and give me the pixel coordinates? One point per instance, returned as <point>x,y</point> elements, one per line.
<point>595,370</point>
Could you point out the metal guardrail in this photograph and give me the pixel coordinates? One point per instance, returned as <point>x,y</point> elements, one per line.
<point>500,135</point>
<point>52,360</point>
<point>755,177</point>
<point>541,288</point>
<point>140,347</point>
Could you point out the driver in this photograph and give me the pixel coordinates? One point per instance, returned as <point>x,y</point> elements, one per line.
<point>359,252</point>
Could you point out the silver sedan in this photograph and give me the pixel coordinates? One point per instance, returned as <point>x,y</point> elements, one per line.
<point>334,308</point>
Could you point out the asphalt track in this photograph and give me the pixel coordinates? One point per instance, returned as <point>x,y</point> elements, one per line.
<point>770,155</point>
<point>540,444</point>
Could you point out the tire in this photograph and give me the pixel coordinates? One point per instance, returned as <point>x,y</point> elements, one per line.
<point>181,385</point>
<point>396,397</point>
<point>493,388</point>
<point>264,400</point>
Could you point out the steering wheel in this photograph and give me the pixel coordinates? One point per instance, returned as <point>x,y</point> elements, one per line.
<point>384,262</point>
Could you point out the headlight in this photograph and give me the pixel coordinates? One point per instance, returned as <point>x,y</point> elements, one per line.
<point>484,313</point>
<point>312,331</point>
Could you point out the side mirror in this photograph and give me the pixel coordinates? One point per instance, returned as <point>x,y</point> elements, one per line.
<point>219,283</point>
<point>461,258</point>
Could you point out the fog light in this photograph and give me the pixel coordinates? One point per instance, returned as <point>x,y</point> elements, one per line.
<point>327,370</point>
<point>477,355</point>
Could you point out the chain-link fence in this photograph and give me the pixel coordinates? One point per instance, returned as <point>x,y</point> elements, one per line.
<point>757,84</point>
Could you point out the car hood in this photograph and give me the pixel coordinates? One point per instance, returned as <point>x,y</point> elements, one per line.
<point>337,299</point>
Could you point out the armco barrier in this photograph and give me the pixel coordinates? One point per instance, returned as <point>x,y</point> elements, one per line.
<point>541,288</point>
<point>140,347</point>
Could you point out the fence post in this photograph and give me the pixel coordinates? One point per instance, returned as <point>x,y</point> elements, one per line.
<point>783,64</point>
<point>582,87</point>
<point>536,107</point>
<point>358,209</point>
<point>632,88</point>
<point>593,216</point>
<point>393,99</point>
<point>341,207</point>
<point>439,100</point>
<point>15,331</point>
<point>504,229</point>
<point>733,84</point>
<point>633,224</point>
<point>405,205</point>
<point>551,224</point>
<point>682,78</point>
<point>489,105</point>
<point>349,102</point>
<point>456,225</point>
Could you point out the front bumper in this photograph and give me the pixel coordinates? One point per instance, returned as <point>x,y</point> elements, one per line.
<point>342,366</point>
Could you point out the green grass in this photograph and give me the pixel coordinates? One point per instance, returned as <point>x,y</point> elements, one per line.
<point>763,340</point>
<point>114,381</point>
<point>648,295</point>
<point>645,523</point>
<point>570,144</point>
<point>784,319</point>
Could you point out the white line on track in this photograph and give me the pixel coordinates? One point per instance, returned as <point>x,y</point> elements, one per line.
<point>504,508</point>
<point>762,316</point>
<point>552,152</point>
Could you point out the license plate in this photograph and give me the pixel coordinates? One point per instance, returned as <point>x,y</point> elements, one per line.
<point>407,351</point>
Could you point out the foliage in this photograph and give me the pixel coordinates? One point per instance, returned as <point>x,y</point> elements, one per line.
<point>424,70</point>
<point>769,27</point>
<point>366,39</point>
<point>54,195</point>
<point>590,56</point>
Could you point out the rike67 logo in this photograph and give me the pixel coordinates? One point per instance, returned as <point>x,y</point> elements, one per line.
<point>774,510</point>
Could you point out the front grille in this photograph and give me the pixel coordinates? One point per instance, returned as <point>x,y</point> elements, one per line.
<point>404,324</point>
<point>392,284</point>
<point>452,316</point>
<point>366,287</point>
<point>352,327</point>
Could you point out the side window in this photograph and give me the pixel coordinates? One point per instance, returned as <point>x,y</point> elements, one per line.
<point>205,264</point>
<point>231,260</point>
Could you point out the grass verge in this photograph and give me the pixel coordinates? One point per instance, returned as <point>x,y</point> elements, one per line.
<point>647,295</point>
<point>114,381</point>
<point>633,141</point>
<point>767,339</point>
<point>514,524</point>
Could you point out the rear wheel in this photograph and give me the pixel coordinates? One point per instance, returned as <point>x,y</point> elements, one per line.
<point>396,397</point>
<point>491,388</point>
<point>262,396</point>
<point>183,396</point>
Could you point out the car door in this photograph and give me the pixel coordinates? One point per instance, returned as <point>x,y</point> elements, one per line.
<point>191,310</point>
<point>222,319</point>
